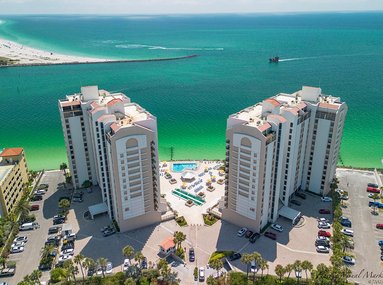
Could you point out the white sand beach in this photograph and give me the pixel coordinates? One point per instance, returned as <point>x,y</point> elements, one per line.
<point>23,55</point>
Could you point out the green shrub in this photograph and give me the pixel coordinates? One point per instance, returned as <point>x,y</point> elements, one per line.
<point>180,252</point>
<point>181,221</point>
<point>209,219</point>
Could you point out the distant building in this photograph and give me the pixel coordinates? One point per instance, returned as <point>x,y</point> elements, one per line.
<point>113,142</point>
<point>167,246</point>
<point>286,143</point>
<point>13,177</point>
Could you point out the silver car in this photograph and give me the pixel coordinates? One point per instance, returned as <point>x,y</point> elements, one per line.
<point>323,249</point>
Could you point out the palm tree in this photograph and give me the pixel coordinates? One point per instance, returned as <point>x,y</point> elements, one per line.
<point>78,259</point>
<point>64,204</point>
<point>3,260</point>
<point>71,268</point>
<point>257,257</point>
<point>280,271</point>
<point>47,250</point>
<point>163,268</point>
<point>89,263</point>
<point>288,268</point>
<point>216,264</point>
<point>263,265</point>
<point>139,257</point>
<point>35,276</point>
<point>246,259</point>
<point>179,237</point>
<point>63,167</point>
<point>307,266</point>
<point>22,208</point>
<point>128,252</point>
<point>102,262</point>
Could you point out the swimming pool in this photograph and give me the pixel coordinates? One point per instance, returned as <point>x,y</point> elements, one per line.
<point>179,167</point>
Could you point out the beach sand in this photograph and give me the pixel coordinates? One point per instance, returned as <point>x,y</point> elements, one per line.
<point>23,55</point>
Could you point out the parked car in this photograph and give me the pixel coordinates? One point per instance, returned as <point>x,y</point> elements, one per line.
<point>43,186</point>
<point>326,199</point>
<point>109,232</point>
<point>235,256</point>
<point>191,254</point>
<point>380,243</point>
<point>16,249</point>
<point>373,185</point>
<point>34,207</point>
<point>323,225</point>
<point>348,232</point>
<point>58,221</point>
<point>36,198</point>
<point>109,268</point>
<point>20,238</point>
<point>126,264</point>
<point>301,195</point>
<point>322,249</point>
<point>379,226</point>
<point>348,260</point>
<point>53,230</point>
<point>345,222</point>
<point>68,245</point>
<point>277,227</point>
<point>201,274</point>
<point>254,237</point>
<point>253,267</point>
<point>70,237</point>
<point>324,220</point>
<point>372,195</point>
<point>91,272</point>
<point>18,243</point>
<point>324,211</point>
<point>65,257</point>
<point>373,190</point>
<point>322,238</point>
<point>271,235</point>
<point>67,251</point>
<point>344,197</point>
<point>322,243</point>
<point>39,192</point>
<point>5,272</point>
<point>241,232</point>
<point>77,199</point>
<point>295,202</point>
<point>248,233</point>
<point>144,264</point>
<point>322,233</point>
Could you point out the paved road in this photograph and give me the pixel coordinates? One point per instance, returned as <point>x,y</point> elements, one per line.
<point>28,260</point>
<point>366,236</point>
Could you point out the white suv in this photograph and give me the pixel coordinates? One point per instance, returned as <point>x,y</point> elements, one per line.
<point>241,232</point>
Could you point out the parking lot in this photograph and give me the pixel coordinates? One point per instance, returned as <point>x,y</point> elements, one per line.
<point>366,236</point>
<point>29,259</point>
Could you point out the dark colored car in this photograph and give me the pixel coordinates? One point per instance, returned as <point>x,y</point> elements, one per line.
<point>301,195</point>
<point>108,232</point>
<point>58,221</point>
<point>91,272</point>
<point>254,237</point>
<point>373,185</point>
<point>53,230</point>
<point>323,243</point>
<point>191,254</point>
<point>235,256</point>
<point>324,211</point>
<point>36,198</point>
<point>144,264</point>
<point>271,235</point>
<point>248,234</point>
<point>45,266</point>
<point>68,245</point>
<point>346,223</point>
<point>43,186</point>
<point>295,202</point>
<point>34,208</point>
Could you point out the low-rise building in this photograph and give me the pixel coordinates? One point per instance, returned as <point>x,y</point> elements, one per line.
<point>13,177</point>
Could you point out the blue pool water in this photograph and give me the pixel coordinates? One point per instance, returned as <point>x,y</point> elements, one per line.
<point>179,167</point>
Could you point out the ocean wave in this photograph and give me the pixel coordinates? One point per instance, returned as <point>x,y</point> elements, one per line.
<point>141,46</point>
<point>2,22</point>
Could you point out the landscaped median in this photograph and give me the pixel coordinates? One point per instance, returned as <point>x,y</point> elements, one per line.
<point>220,254</point>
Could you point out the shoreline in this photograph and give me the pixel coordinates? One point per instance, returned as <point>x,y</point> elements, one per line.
<point>13,54</point>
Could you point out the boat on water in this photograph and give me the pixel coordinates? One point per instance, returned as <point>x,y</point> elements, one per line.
<point>274,59</point>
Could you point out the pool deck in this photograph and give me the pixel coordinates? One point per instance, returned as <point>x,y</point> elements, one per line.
<point>193,215</point>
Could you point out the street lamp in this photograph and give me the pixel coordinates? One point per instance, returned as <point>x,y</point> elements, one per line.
<point>298,274</point>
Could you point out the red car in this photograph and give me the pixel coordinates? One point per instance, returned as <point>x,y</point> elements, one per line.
<point>324,211</point>
<point>373,190</point>
<point>379,226</point>
<point>271,235</point>
<point>324,234</point>
<point>34,208</point>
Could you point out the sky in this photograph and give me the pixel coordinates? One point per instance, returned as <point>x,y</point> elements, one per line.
<point>145,7</point>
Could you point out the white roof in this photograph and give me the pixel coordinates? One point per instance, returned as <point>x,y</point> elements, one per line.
<point>98,209</point>
<point>289,213</point>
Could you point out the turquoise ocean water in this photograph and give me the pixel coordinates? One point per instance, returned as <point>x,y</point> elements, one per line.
<point>341,53</point>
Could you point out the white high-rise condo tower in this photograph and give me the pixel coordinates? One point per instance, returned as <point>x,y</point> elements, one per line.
<point>286,143</point>
<point>113,143</point>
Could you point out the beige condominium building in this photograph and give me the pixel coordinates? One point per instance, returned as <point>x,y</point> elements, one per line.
<point>284,144</point>
<point>13,177</point>
<point>113,143</point>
